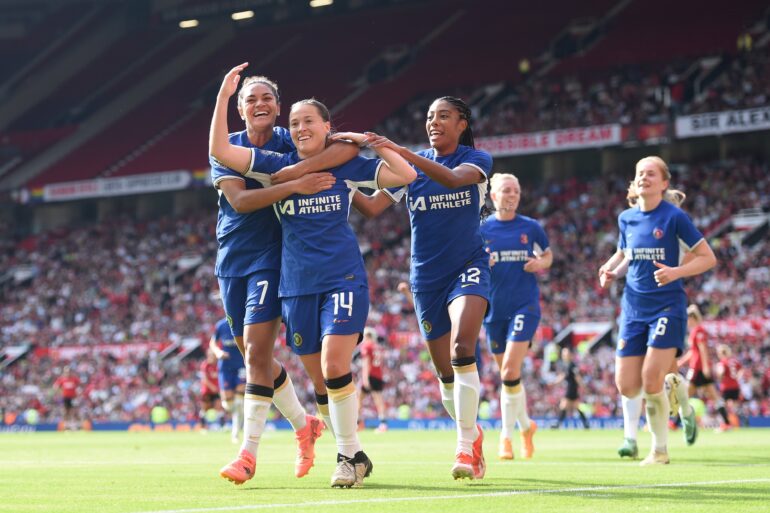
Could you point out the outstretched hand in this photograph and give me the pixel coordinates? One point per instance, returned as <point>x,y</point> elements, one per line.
<point>355,137</point>
<point>376,142</point>
<point>230,82</point>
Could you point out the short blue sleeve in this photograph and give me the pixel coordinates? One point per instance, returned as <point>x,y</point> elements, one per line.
<point>686,231</point>
<point>479,159</point>
<point>621,234</point>
<point>541,238</point>
<point>360,171</point>
<point>220,172</point>
<point>263,161</point>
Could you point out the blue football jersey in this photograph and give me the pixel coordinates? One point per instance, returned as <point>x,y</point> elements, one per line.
<point>247,242</point>
<point>445,222</point>
<point>224,336</point>
<point>662,235</point>
<point>320,250</point>
<point>510,244</point>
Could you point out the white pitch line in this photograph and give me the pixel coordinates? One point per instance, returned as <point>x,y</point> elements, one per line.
<point>577,490</point>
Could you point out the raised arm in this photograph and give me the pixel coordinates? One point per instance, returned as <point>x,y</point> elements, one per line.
<point>234,157</point>
<point>396,171</point>
<point>450,178</point>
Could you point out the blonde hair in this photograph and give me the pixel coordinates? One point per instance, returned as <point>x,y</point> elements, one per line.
<point>673,196</point>
<point>497,180</point>
<point>723,349</point>
<point>694,312</point>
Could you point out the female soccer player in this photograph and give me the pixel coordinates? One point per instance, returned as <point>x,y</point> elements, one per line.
<point>653,319</point>
<point>323,285</point>
<point>248,270</point>
<point>698,360</point>
<point>570,403</point>
<point>728,370</point>
<point>231,371</point>
<point>518,248</point>
<point>450,269</point>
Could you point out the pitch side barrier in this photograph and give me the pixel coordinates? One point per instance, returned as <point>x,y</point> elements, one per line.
<point>440,424</point>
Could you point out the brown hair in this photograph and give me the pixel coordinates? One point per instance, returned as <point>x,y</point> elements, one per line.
<point>320,107</point>
<point>259,80</point>
<point>673,196</point>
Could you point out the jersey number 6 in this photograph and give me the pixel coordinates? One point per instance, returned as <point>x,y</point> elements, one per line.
<point>660,329</point>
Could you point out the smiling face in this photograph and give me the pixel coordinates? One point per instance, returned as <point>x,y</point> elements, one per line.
<point>309,127</point>
<point>258,106</point>
<point>444,125</point>
<point>650,180</point>
<point>506,194</point>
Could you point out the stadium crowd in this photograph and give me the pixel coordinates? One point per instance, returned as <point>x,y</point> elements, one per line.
<point>123,281</point>
<point>630,95</point>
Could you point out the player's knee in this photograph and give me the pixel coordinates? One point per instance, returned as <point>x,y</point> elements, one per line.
<point>463,349</point>
<point>628,388</point>
<point>334,369</point>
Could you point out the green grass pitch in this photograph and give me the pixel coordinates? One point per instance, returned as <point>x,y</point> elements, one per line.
<point>575,471</point>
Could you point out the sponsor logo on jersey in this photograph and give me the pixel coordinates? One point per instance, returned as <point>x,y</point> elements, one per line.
<point>657,233</point>
<point>297,340</point>
<point>311,205</point>
<point>441,201</point>
<point>524,239</point>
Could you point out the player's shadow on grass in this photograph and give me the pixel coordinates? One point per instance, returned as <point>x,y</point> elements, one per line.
<point>451,486</point>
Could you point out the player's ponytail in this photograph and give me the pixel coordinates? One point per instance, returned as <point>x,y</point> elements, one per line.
<point>673,196</point>
<point>466,138</point>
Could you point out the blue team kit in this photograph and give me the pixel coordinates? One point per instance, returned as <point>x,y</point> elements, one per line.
<point>448,257</point>
<point>652,315</point>
<point>514,309</point>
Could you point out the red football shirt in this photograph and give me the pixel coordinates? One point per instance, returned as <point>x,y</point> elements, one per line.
<point>729,380</point>
<point>68,386</point>
<point>371,351</point>
<point>698,343</point>
<point>210,371</point>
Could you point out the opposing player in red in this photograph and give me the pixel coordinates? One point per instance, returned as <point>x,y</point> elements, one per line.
<point>697,358</point>
<point>728,370</point>
<point>372,381</point>
<point>68,384</point>
<point>209,386</point>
